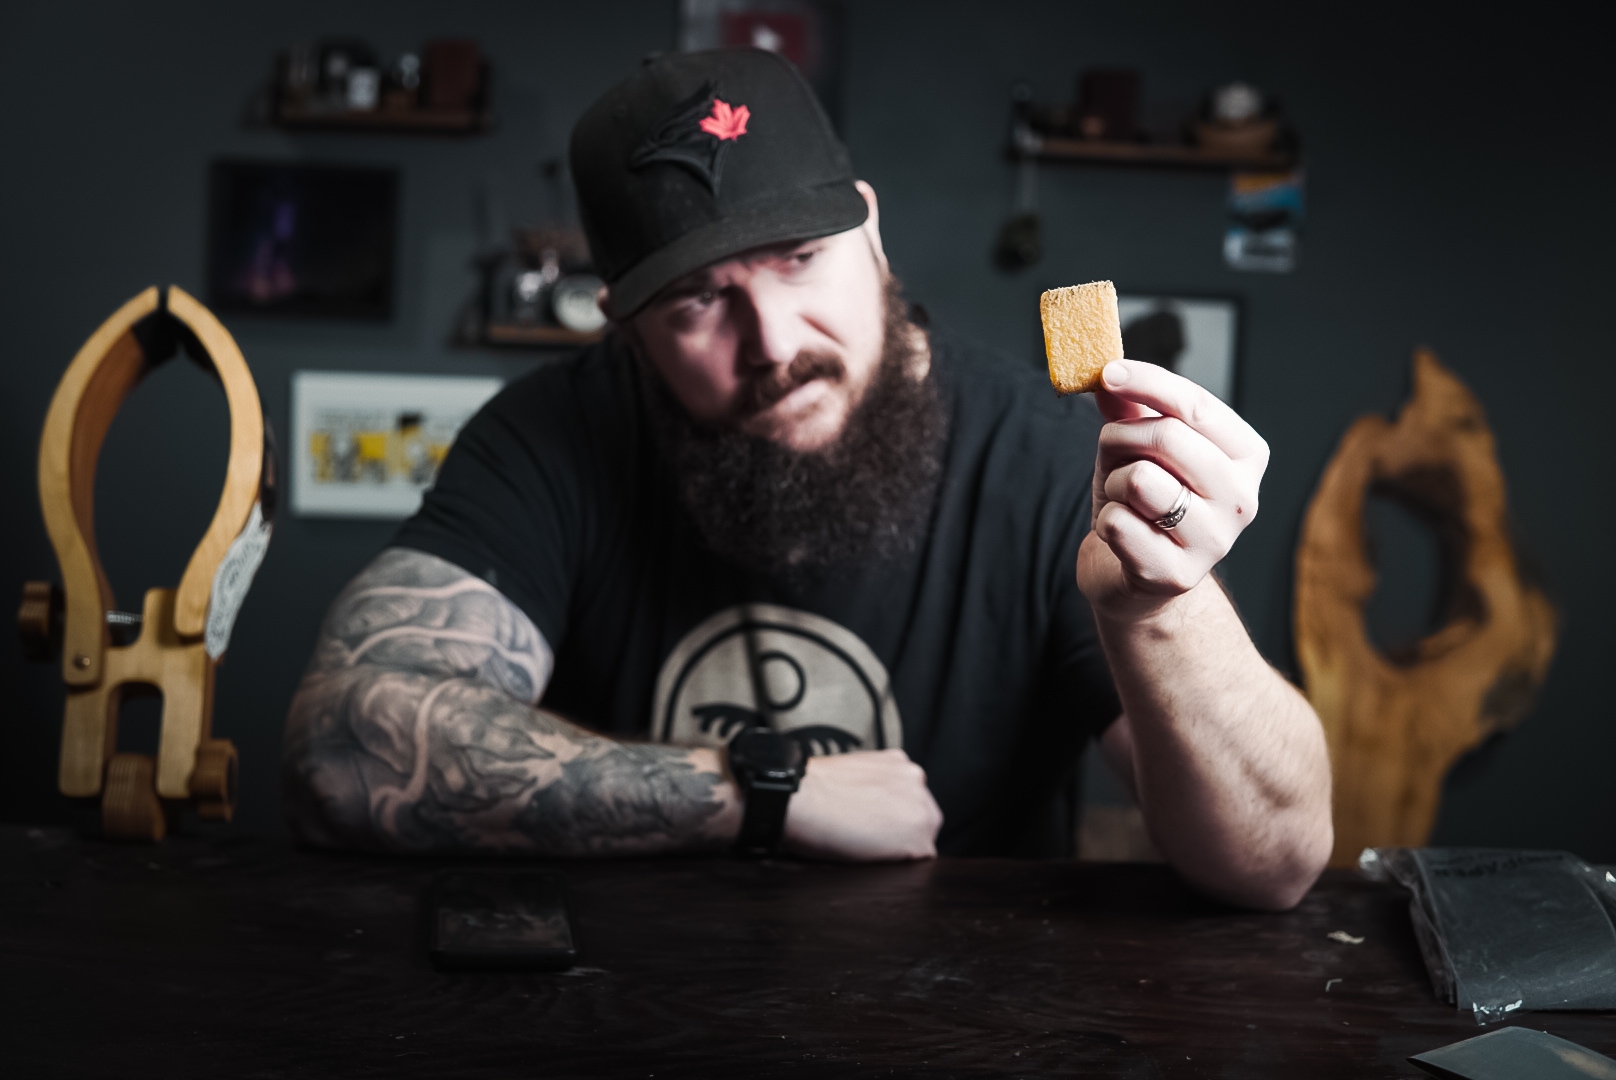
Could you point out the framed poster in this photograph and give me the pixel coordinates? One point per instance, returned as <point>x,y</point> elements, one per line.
<point>301,240</point>
<point>1195,336</point>
<point>368,446</point>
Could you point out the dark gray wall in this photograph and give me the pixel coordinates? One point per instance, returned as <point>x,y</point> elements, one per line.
<point>1458,197</point>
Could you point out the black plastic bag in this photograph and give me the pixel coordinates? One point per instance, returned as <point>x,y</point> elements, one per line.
<point>1507,930</point>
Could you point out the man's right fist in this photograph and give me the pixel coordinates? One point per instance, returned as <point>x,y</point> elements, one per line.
<point>866,806</point>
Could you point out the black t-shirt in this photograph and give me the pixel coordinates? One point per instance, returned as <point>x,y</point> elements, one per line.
<point>977,654</point>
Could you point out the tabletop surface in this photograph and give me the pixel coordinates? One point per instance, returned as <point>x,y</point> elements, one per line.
<point>235,957</point>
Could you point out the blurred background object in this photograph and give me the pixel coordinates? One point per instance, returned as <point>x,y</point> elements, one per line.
<point>1265,221</point>
<point>341,84</point>
<point>1108,104</point>
<point>1236,121</point>
<point>1397,720</point>
<point>540,289</point>
<point>302,240</point>
<point>806,32</point>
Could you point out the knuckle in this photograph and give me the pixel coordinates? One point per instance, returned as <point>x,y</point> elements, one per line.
<point>1156,438</point>
<point>1134,485</point>
<point>1200,409</point>
<point>1169,434</point>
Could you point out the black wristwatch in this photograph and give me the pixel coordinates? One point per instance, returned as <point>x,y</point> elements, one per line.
<point>767,767</point>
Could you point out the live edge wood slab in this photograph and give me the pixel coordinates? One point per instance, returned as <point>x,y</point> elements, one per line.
<point>238,957</point>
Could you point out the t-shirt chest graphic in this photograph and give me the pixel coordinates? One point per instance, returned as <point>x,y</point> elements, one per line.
<point>791,670</point>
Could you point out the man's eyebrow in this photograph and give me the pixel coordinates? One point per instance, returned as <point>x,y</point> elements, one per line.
<point>783,250</point>
<point>701,280</point>
<point>697,281</point>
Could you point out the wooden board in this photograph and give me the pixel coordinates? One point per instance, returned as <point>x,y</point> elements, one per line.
<point>401,121</point>
<point>1055,148</point>
<point>1395,727</point>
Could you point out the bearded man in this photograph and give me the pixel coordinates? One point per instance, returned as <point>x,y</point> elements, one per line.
<point>776,567</point>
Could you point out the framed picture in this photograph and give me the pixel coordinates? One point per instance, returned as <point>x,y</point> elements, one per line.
<point>1197,337</point>
<point>806,32</point>
<point>302,240</point>
<point>367,446</point>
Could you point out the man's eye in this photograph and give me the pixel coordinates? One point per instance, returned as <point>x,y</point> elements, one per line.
<point>706,297</point>
<point>803,258</point>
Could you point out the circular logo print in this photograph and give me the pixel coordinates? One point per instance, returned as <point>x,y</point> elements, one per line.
<point>794,671</point>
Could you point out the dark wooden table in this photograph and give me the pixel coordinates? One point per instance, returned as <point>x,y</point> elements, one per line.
<point>249,958</point>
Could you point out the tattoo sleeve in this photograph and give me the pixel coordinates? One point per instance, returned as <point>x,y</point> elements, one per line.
<point>415,730</point>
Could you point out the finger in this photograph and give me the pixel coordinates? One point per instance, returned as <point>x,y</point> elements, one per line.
<point>1148,488</point>
<point>1152,493</point>
<point>1175,447</point>
<point>1173,395</point>
<point>1150,558</point>
<point>1113,407</point>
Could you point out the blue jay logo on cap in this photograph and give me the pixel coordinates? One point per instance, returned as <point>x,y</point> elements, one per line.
<point>696,136</point>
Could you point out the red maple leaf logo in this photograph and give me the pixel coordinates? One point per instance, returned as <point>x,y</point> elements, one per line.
<point>725,122</point>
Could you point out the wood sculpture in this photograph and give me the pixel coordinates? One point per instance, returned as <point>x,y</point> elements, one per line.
<point>183,632</point>
<point>1396,725</point>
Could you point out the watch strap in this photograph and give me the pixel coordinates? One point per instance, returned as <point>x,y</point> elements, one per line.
<point>764,822</point>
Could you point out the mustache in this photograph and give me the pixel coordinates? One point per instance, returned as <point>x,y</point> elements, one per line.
<point>763,392</point>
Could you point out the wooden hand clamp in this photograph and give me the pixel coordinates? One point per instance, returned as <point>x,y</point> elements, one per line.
<point>184,631</point>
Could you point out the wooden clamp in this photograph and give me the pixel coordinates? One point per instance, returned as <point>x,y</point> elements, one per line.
<point>184,631</point>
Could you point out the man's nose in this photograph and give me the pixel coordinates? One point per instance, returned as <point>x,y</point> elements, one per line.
<point>776,332</point>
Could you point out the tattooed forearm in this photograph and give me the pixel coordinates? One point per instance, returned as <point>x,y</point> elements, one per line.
<point>415,729</point>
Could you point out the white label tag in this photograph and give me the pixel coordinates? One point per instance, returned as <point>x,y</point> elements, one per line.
<point>233,579</point>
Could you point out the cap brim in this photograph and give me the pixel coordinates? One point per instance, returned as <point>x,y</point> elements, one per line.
<point>798,215</point>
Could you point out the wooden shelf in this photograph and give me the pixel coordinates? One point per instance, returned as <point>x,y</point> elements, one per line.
<point>411,121</point>
<point>1165,155</point>
<point>519,334</point>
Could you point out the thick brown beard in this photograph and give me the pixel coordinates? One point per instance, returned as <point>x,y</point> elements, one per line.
<point>866,497</point>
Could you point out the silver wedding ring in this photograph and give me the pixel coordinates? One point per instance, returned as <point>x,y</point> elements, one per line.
<point>1169,521</point>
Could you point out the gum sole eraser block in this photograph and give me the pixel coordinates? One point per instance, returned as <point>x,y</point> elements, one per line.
<point>1082,334</point>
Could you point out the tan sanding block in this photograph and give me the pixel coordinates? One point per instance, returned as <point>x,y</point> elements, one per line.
<point>1082,334</point>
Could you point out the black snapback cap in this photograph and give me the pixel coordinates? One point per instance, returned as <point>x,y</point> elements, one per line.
<point>698,157</point>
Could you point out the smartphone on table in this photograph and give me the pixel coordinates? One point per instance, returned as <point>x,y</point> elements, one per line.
<point>500,919</point>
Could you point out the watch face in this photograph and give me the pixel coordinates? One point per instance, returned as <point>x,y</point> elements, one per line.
<point>765,753</point>
<point>575,303</point>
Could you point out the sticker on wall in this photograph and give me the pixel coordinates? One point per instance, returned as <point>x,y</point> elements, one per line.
<point>1265,221</point>
<point>368,446</point>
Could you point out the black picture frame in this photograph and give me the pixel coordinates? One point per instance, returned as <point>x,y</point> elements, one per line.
<point>297,240</point>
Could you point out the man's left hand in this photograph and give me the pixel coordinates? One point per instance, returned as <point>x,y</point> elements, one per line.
<point>1165,436</point>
